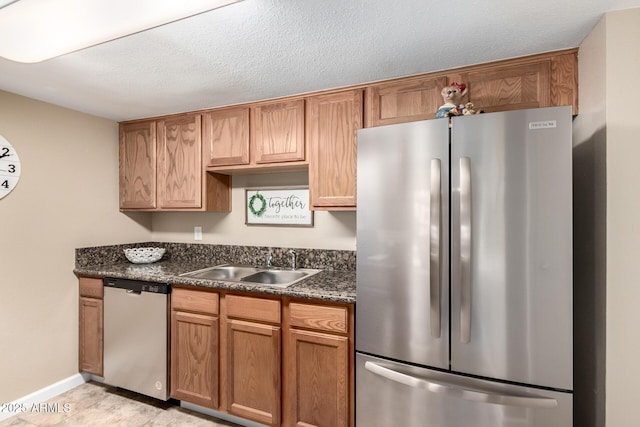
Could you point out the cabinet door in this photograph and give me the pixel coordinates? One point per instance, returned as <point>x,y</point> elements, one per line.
<point>194,358</point>
<point>180,166</point>
<point>91,335</point>
<point>253,371</point>
<point>226,136</point>
<point>318,380</point>
<point>332,122</point>
<point>138,165</point>
<point>404,101</point>
<point>277,131</point>
<point>509,87</point>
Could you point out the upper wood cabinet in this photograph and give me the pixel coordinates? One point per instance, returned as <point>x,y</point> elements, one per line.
<point>332,122</point>
<point>183,162</point>
<point>277,131</point>
<point>410,99</point>
<point>162,167</point>
<point>543,80</point>
<point>180,168</point>
<point>138,165</point>
<point>536,81</point>
<point>510,87</point>
<point>226,136</point>
<point>265,136</point>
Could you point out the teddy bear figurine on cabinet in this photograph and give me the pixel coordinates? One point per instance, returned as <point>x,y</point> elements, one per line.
<point>453,106</point>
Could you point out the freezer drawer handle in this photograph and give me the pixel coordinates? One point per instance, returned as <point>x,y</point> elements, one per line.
<point>465,249</point>
<point>461,392</point>
<point>435,222</point>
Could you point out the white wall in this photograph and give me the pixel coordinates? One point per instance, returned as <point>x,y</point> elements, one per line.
<point>67,197</point>
<point>331,230</point>
<point>589,197</point>
<point>623,211</point>
<point>609,73</point>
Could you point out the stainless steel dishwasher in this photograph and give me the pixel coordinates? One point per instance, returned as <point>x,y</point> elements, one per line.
<point>136,336</point>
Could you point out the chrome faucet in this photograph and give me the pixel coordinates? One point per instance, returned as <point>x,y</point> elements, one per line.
<point>293,258</point>
<point>268,259</point>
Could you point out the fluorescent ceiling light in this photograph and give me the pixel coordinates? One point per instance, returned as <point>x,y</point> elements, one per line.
<point>4,3</point>
<point>36,30</point>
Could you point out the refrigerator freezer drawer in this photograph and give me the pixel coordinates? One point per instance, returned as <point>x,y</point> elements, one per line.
<point>395,394</point>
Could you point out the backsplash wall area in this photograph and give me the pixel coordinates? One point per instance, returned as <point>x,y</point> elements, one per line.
<point>331,230</point>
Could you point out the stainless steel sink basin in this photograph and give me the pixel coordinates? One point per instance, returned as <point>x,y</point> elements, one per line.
<point>223,272</point>
<point>275,277</point>
<point>244,273</point>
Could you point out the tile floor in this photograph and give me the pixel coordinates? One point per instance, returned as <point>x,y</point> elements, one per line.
<point>95,404</point>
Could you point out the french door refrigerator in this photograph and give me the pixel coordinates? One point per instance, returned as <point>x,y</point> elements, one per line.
<point>464,272</point>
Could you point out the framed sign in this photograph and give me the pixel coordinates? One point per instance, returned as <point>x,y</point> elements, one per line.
<point>278,206</point>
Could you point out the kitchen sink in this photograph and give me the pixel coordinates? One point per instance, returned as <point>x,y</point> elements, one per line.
<point>243,273</point>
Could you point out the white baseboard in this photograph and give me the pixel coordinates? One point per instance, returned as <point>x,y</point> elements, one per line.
<point>42,395</point>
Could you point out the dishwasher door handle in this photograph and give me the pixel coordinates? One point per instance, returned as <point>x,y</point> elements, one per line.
<point>132,292</point>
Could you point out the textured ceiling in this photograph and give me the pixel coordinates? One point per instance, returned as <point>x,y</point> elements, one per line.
<point>261,49</point>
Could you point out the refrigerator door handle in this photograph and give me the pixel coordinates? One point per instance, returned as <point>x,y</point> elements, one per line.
<point>465,249</point>
<point>435,230</point>
<point>460,392</point>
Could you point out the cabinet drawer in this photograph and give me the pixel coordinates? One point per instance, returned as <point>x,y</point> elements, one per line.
<point>194,300</point>
<point>320,317</point>
<point>91,287</point>
<point>266,310</point>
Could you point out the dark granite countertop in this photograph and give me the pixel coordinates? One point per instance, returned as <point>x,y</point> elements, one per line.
<point>328,285</point>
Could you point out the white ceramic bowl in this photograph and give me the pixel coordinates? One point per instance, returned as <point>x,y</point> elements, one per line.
<point>144,255</point>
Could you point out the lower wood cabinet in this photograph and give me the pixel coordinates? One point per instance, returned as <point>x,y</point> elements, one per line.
<point>253,371</point>
<point>253,343</point>
<point>318,392</point>
<point>275,361</point>
<point>319,359</point>
<point>91,337</point>
<point>195,347</point>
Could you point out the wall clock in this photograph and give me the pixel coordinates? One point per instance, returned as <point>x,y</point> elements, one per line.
<point>9,167</point>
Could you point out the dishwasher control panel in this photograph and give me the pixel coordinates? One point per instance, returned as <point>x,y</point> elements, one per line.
<point>137,285</point>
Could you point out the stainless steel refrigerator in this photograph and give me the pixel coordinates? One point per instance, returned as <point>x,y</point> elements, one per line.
<point>464,272</point>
